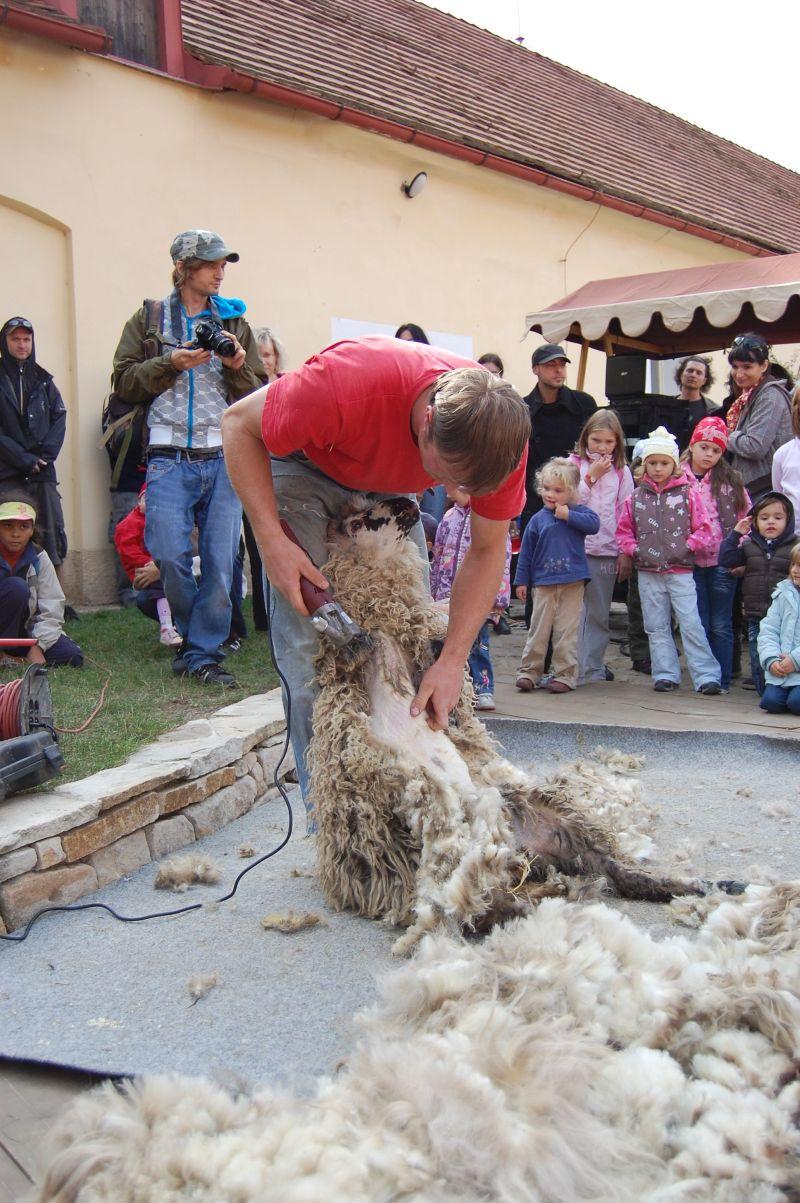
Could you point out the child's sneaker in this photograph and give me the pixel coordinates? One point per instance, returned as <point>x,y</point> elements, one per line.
<point>525,685</point>
<point>170,637</point>
<point>484,701</point>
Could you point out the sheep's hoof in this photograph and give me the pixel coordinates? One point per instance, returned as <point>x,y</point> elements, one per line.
<point>729,886</point>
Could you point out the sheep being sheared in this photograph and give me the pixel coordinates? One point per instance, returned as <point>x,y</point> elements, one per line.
<point>425,827</point>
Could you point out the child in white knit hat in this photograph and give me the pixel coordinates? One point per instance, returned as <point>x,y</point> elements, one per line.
<point>662,525</point>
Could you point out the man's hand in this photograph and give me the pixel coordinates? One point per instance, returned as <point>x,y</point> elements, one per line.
<point>782,667</point>
<point>184,358</point>
<point>521,593</point>
<point>624,566</point>
<point>439,691</point>
<point>145,576</point>
<point>235,361</point>
<point>562,512</point>
<point>285,563</point>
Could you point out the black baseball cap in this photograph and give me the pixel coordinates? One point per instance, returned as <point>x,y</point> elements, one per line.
<point>547,353</point>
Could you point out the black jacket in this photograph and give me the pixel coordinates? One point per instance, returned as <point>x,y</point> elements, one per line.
<point>33,417</point>
<point>569,412</point>
<point>765,562</point>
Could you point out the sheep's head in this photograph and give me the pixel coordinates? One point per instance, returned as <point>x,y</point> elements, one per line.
<point>375,528</point>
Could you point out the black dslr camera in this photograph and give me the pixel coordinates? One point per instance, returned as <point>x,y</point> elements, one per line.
<point>211,337</point>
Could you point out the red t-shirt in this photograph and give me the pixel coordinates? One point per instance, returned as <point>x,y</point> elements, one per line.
<point>348,409</point>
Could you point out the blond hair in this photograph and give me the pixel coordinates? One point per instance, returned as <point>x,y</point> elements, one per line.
<point>794,558</point>
<point>562,470</point>
<point>184,268</point>
<point>480,426</point>
<point>603,419</point>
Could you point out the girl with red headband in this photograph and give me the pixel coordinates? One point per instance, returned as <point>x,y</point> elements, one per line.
<point>727,502</point>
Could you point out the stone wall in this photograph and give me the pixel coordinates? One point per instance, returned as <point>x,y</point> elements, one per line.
<point>59,845</point>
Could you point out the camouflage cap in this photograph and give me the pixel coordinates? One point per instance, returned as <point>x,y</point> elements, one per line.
<point>200,244</point>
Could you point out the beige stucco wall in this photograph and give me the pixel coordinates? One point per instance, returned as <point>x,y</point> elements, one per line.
<point>113,161</point>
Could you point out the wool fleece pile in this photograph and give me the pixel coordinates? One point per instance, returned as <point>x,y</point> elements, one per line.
<point>565,1058</point>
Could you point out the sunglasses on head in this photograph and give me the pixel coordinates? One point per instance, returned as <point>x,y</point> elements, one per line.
<point>17,323</point>
<point>749,342</point>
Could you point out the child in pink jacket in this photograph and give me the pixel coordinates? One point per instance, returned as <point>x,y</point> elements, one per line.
<point>606,483</point>
<point>663,523</point>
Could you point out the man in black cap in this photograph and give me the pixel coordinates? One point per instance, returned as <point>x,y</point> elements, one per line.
<point>557,414</point>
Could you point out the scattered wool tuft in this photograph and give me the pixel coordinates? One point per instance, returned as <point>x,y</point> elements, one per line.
<point>200,984</point>
<point>183,871</point>
<point>245,851</point>
<point>291,921</point>
<point>776,810</point>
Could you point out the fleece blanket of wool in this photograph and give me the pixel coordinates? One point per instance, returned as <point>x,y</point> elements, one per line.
<point>566,1057</point>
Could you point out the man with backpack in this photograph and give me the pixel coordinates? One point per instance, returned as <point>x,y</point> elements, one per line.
<point>185,359</point>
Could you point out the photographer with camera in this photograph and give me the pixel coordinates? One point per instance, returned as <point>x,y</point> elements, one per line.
<point>186,358</point>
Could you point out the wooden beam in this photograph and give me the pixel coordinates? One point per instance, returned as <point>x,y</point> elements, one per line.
<point>582,363</point>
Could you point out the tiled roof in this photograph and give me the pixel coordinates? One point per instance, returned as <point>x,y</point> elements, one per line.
<point>416,66</point>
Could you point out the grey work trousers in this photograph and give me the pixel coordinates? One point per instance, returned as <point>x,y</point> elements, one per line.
<point>595,631</point>
<point>308,500</point>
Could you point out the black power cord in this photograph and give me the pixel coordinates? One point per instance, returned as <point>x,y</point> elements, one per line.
<point>18,937</point>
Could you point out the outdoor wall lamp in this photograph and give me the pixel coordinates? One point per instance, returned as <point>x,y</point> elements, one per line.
<point>413,187</point>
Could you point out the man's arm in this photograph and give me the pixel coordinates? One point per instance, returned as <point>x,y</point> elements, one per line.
<point>248,464</point>
<point>474,590</point>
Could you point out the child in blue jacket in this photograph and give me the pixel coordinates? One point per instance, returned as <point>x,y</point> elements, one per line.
<point>552,560</point>
<point>779,644</point>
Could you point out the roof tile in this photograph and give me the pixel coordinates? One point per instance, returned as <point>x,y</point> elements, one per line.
<point>408,63</point>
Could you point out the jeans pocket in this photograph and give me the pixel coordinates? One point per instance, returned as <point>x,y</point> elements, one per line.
<point>158,468</point>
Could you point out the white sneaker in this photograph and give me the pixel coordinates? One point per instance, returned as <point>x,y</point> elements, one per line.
<point>484,701</point>
<point>170,637</point>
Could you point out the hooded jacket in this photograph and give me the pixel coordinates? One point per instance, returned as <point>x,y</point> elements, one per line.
<point>453,538</point>
<point>45,597</point>
<point>765,561</point>
<point>33,417</point>
<point>779,634</point>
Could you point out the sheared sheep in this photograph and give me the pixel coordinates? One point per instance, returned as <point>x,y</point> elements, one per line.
<point>425,828</point>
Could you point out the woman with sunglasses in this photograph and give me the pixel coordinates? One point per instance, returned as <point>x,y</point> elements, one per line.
<point>760,419</point>
<point>33,421</point>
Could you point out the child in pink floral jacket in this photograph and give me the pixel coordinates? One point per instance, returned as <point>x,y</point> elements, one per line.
<point>453,538</point>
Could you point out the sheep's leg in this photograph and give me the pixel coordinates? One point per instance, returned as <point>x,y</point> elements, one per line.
<point>549,838</point>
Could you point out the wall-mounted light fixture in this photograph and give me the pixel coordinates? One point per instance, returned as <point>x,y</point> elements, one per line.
<point>413,187</point>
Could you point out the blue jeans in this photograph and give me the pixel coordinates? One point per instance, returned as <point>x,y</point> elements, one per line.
<point>180,496</point>
<point>715,590</point>
<point>480,664</point>
<point>433,501</point>
<point>777,699</point>
<point>662,592</point>
<point>756,671</point>
<point>308,500</point>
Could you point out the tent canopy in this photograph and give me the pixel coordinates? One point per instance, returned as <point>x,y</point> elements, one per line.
<point>672,313</point>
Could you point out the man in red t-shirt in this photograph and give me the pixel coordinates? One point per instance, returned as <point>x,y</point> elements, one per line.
<point>379,416</point>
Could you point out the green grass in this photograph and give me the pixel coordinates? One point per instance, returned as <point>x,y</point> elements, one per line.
<point>144,698</point>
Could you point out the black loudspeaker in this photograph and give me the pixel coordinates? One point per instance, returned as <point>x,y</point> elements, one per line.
<point>626,376</point>
<point>639,415</point>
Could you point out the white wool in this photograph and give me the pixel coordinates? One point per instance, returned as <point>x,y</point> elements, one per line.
<point>568,1056</point>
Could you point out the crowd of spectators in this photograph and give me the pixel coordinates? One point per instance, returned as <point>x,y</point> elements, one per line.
<point>181,536</point>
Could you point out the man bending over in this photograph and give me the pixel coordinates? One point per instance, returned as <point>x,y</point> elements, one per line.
<point>383,417</point>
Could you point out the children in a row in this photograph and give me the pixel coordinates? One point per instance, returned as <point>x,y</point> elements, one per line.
<point>670,525</point>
